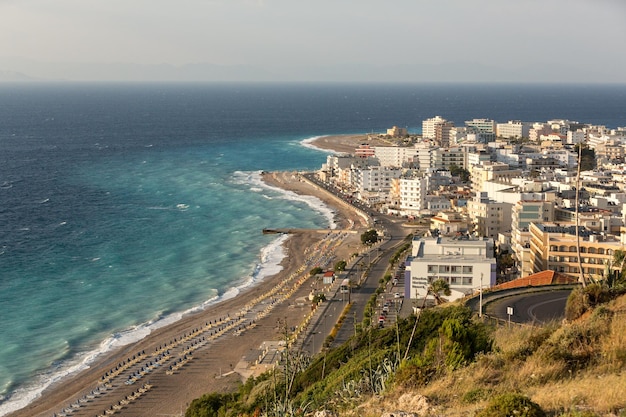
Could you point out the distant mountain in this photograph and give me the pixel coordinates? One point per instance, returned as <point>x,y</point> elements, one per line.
<point>18,69</point>
<point>14,76</point>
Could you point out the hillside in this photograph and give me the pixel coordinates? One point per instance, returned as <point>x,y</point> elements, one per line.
<point>453,366</point>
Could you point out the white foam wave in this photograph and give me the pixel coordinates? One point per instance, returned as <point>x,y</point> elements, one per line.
<point>308,143</point>
<point>312,201</point>
<point>269,264</point>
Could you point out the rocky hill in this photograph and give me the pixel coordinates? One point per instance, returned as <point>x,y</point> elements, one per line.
<point>446,363</point>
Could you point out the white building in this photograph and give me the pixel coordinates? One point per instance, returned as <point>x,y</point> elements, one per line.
<point>429,126</point>
<point>395,156</point>
<point>465,264</point>
<point>413,193</point>
<point>513,129</point>
<point>374,178</point>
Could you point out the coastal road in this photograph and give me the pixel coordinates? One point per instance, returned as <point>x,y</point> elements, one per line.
<point>541,307</point>
<point>378,259</point>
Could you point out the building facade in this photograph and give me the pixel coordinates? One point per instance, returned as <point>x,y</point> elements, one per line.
<point>467,265</point>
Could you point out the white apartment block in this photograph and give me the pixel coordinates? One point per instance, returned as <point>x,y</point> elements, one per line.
<point>467,265</point>
<point>428,126</point>
<point>513,129</point>
<point>423,158</point>
<point>489,218</point>
<point>444,158</point>
<point>477,157</point>
<point>374,178</point>
<point>413,193</point>
<point>482,125</point>
<point>484,128</point>
<point>491,171</point>
<point>573,138</point>
<point>395,156</point>
<point>539,129</point>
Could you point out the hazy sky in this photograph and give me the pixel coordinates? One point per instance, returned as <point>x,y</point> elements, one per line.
<point>527,40</point>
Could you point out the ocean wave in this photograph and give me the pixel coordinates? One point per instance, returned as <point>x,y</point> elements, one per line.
<point>308,143</point>
<point>312,201</point>
<point>267,265</point>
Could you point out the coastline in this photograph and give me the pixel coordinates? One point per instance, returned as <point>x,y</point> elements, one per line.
<point>173,393</point>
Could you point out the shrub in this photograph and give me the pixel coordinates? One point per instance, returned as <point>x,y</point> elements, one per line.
<point>511,405</point>
<point>475,395</point>
<point>577,304</point>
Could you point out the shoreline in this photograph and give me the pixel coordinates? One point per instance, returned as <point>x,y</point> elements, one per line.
<point>190,385</point>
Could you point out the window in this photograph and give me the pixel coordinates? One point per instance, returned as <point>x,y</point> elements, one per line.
<point>468,269</point>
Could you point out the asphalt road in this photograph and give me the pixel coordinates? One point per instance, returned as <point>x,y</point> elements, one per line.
<point>540,307</point>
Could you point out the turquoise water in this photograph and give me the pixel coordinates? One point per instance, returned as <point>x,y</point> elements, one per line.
<point>124,206</point>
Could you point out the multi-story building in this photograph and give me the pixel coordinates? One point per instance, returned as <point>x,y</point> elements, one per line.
<point>489,217</point>
<point>513,129</point>
<point>554,247</point>
<point>574,137</point>
<point>444,158</point>
<point>539,129</point>
<point>395,156</point>
<point>413,193</point>
<point>491,171</point>
<point>465,264</point>
<point>364,151</point>
<point>525,212</point>
<point>442,133</point>
<point>485,128</point>
<point>423,157</point>
<point>428,126</point>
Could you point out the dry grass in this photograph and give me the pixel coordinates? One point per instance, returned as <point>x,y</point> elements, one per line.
<point>568,368</point>
<point>604,394</point>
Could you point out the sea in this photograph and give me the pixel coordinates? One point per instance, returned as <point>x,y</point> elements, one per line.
<point>124,207</point>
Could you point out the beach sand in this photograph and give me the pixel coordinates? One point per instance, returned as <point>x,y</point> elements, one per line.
<point>347,143</point>
<point>209,363</point>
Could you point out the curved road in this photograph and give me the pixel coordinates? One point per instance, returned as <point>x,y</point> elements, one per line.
<point>539,307</point>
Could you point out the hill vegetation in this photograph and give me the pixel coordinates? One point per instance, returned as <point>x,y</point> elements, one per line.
<point>454,366</point>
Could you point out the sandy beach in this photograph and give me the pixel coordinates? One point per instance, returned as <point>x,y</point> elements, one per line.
<point>200,353</point>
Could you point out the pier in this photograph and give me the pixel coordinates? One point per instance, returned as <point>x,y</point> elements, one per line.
<point>292,231</point>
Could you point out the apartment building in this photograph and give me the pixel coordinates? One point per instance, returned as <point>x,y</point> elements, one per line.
<point>395,156</point>
<point>553,247</point>
<point>523,213</point>
<point>513,129</point>
<point>413,193</point>
<point>465,264</point>
<point>428,126</point>
<point>491,171</point>
<point>489,218</point>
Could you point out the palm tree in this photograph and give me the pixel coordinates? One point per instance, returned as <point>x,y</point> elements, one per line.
<point>436,288</point>
<point>618,264</point>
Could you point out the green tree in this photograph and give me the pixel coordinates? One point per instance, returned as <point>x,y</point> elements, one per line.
<point>315,271</point>
<point>437,288</point>
<point>587,158</point>
<point>208,405</point>
<point>619,265</point>
<point>369,237</point>
<point>457,171</point>
<point>340,265</point>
